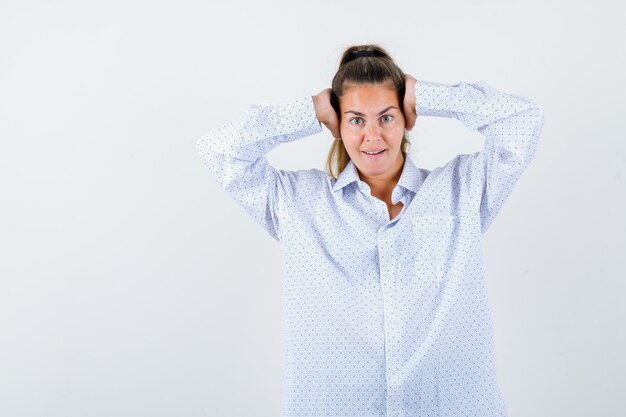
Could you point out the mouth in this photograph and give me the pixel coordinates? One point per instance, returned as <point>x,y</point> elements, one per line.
<point>374,153</point>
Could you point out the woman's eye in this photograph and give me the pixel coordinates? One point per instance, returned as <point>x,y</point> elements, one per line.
<point>356,121</point>
<point>387,118</point>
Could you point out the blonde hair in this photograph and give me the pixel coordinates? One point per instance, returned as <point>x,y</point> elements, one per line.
<point>378,68</point>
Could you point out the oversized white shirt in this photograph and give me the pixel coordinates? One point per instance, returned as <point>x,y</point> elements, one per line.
<point>383,317</point>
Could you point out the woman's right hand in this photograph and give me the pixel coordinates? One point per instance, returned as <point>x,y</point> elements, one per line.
<point>325,112</point>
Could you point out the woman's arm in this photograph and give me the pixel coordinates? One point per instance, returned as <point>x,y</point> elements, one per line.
<point>234,154</point>
<point>510,123</point>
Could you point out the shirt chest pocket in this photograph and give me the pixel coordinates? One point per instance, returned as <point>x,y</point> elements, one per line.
<point>433,236</point>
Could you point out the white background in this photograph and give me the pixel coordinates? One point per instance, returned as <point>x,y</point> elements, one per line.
<point>131,285</point>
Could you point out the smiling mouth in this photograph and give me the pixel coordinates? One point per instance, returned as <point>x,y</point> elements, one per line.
<point>374,152</point>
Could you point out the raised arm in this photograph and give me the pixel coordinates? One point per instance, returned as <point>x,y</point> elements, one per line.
<point>234,155</point>
<point>510,123</point>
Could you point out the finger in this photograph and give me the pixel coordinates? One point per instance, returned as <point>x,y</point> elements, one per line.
<point>410,123</point>
<point>409,116</point>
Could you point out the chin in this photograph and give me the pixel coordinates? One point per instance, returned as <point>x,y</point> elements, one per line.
<point>375,168</point>
<point>372,171</point>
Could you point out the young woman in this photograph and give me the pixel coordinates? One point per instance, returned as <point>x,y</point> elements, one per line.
<point>385,301</point>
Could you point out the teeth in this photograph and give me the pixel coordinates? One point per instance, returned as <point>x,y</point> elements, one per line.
<point>373,153</point>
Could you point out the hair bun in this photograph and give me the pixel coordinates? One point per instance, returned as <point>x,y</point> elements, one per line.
<point>367,53</point>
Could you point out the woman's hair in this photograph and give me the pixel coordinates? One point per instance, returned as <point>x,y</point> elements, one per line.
<point>375,68</point>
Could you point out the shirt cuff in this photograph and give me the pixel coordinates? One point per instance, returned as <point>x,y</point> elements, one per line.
<point>296,118</point>
<point>433,99</point>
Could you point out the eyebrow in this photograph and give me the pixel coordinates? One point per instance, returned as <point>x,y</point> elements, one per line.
<point>379,113</point>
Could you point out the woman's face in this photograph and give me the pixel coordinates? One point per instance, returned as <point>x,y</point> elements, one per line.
<point>372,121</point>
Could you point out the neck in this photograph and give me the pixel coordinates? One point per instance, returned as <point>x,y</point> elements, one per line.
<point>382,186</point>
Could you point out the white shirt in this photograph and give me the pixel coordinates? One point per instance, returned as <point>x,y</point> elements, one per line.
<point>383,317</point>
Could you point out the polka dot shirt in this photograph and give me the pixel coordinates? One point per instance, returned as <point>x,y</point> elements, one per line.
<point>383,317</point>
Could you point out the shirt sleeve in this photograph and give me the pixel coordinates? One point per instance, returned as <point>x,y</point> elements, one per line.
<point>510,123</point>
<point>234,155</point>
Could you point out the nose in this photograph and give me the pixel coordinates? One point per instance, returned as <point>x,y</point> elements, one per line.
<point>372,132</point>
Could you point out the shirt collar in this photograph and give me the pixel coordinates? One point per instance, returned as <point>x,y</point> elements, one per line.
<point>411,177</point>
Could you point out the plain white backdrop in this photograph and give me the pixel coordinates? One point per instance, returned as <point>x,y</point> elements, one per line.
<point>131,285</point>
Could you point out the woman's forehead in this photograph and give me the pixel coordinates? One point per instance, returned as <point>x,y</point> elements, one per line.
<point>351,85</point>
<point>369,95</point>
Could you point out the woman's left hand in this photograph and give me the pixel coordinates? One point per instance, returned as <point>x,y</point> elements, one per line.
<point>409,101</point>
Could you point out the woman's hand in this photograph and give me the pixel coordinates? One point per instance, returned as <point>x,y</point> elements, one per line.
<point>325,112</point>
<point>409,102</point>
